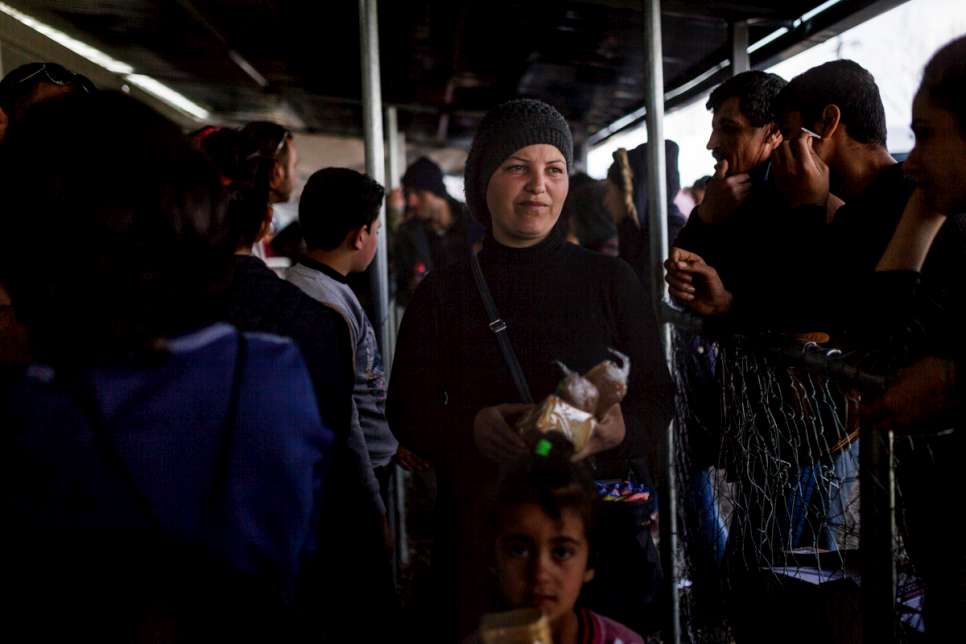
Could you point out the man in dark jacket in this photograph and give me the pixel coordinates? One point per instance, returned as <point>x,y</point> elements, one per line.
<point>440,233</point>
<point>738,198</point>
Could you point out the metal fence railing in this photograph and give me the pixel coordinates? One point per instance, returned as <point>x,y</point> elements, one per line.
<point>787,507</point>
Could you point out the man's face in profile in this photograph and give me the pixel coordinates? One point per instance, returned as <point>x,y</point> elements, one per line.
<point>735,139</point>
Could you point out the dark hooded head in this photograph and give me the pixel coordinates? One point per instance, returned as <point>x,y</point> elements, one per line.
<point>131,225</point>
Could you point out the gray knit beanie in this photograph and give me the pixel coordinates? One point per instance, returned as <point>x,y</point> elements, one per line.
<point>504,130</point>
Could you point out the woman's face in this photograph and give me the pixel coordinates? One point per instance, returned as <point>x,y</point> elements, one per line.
<point>938,160</point>
<point>525,195</point>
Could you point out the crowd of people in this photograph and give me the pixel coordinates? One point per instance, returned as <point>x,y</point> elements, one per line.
<point>199,448</point>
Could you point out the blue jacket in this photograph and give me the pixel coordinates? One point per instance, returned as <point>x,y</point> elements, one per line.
<point>212,453</point>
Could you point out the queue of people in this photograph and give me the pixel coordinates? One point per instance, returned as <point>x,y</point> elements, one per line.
<point>197,448</point>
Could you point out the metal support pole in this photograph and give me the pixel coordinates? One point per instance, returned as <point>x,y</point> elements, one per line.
<point>739,47</point>
<point>393,174</point>
<point>375,163</point>
<point>877,536</point>
<point>397,504</point>
<point>657,222</point>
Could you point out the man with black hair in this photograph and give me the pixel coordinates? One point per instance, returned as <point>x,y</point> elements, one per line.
<point>339,215</point>
<point>833,121</point>
<point>440,233</point>
<point>738,199</point>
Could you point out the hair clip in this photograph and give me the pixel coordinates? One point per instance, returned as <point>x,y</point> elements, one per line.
<point>543,447</point>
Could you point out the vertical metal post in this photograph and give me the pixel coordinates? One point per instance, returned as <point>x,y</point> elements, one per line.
<point>657,222</point>
<point>739,47</point>
<point>393,173</point>
<point>877,536</point>
<point>397,488</point>
<point>375,163</point>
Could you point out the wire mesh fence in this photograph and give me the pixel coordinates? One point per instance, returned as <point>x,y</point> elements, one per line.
<point>768,473</point>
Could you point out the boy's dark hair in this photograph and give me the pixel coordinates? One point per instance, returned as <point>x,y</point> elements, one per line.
<point>756,92</point>
<point>944,80</point>
<point>336,201</point>
<point>132,228</point>
<point>547,478</point>
<point>846,84</point>
<point>247,180</point>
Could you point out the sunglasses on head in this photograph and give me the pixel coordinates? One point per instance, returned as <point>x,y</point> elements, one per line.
<point>57,75</point>
<point>286,135</point>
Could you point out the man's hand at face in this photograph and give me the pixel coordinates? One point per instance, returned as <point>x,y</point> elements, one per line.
<point>724,195</point>
<point>696,284</point>
<point>801,175</point>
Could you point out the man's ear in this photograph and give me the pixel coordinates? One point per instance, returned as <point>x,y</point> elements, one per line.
<point>357,238</point>
<point>831,120</point>
<point>773,135</point>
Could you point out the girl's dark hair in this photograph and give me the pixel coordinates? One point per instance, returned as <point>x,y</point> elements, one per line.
<point>247,180</point>
<point>129,222</point>
<point>547,478</point>
<point>944,80</point>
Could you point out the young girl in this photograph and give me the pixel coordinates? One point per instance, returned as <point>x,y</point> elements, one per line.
<point>543,544</point>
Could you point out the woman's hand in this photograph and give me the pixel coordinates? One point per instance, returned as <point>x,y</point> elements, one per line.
<point>913,236</point>
<point>608,434</point>
<point>494,437</point>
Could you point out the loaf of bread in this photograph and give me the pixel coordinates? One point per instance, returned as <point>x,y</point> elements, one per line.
<point>556,415</point>
<point>577,390</point>
<point>610,380</point>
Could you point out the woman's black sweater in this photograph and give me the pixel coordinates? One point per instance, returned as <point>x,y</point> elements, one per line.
<point>561,302</point>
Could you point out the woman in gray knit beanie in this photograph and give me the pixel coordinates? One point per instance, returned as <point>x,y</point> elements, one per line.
<point>452,397</point>
<point>528,131</point>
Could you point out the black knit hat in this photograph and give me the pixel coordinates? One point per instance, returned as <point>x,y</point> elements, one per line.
<point>504,130</point>
<point>424,174</point>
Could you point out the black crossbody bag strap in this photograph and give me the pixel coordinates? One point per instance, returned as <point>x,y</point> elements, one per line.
<point>499,329</point>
